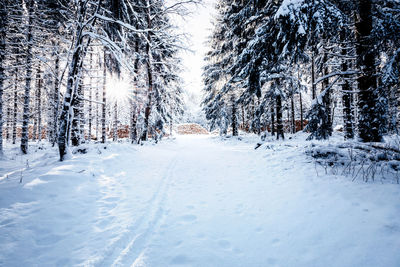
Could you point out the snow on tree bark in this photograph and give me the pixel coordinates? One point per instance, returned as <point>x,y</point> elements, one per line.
<point>15,103</point>
<point>369,121</point>
<point>115,124</point>
<point>76,137</point>
<point>103,106</point>
<point>347,95</point>
<point>38,110</point>
<point>279,111</point>
<point>3,17</point>
<point>149,74</point>
<point>279,122</point>
<point>90,115</point>
<point>28,78</point>
<point>73,77</point>
<point>56,95</point>
<point>234,117</point>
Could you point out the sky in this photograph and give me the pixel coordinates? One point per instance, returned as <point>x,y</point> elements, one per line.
<point>198,26</point>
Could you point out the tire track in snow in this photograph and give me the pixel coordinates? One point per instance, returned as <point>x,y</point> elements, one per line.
<point>131,245</point>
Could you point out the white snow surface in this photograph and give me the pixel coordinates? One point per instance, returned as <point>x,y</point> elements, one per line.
<point>192,201</point>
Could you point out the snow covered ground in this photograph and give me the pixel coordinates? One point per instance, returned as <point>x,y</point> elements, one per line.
<point>193,201</point>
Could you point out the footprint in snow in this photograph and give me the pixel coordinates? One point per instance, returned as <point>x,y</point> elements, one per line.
<point>271,261</point>
<point>63,262</point>
<point>188,218</point>
<point>259,229</point>
<point>48,240</point>
<point>224,244</point>
<point>180,260</point>
<point>238,251</point>
<point>392,228</point>
<point>201,236</point>
<point>178,243</point>
<point>275,241</point>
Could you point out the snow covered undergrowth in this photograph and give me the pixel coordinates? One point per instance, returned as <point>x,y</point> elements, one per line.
<point>363,161</point>
<point>193,201</point>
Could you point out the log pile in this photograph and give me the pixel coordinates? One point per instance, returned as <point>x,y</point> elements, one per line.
<point>190,128</point>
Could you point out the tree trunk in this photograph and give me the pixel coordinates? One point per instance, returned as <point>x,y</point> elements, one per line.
<point>301,112</point>
<point>243,120</point>
<point>134,102</point>
<point>39,102</point>
<point>234,118</point>
<point>81,105</point>
<point>279,123</point>
<point>258,118</point>
<point>34,129</point>
<point>326,99</point>
<point>133,131</point>
<point>1,106</point>
<point>253,114</point>
<point>76,120</point>
<point>103,107</point>
<point>347,96</point>
<point>2,77</point>
<point>73,77</point>
<point>98,70</point>
<point>149,75</point>
<point>293,122</point>
<point>90,95</point>
<point>369,121</point>
<point>15,102</point>
<point>3,34</point>
<point>115,130</point>
<point>28,78</point>
<point>313,86</point>
<point>56,95</point>
<point>272,120</point>
<point>288,119</point>
<point>8,130</point>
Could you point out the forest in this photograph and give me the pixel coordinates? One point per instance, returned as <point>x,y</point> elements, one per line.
<point>224,133</point>
<point>311,65</point>
<point>56,57</point>
<point>272,67</point>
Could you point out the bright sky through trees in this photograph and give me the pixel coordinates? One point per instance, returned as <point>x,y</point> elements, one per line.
<point>198,26</point>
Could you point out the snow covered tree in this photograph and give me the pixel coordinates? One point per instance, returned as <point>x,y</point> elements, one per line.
<point>39,36</point>
<point>386,36</point>
<point>232,31</point>
<point>29,5</point>
<point>370,102</point>
<point>86,15</point>
<point>3,32</point>
<point>305,26</point>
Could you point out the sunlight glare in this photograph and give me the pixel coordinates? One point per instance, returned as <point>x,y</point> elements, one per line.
<point>118,90</point>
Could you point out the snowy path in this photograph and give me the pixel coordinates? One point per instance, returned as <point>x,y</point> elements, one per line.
<point>196,201</point>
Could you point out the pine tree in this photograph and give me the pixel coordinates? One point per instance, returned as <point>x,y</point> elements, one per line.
<point>3,32</point>
<point>369,100</point>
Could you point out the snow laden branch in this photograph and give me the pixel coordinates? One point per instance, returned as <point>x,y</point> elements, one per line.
<point>339,73</point>
<point>112,46</point>
<point>123,24</point>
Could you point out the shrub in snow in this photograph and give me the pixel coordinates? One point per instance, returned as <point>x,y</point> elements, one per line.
<point>357,160</point>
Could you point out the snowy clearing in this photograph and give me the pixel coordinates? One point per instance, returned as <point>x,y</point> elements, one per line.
<point>192,201</point>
